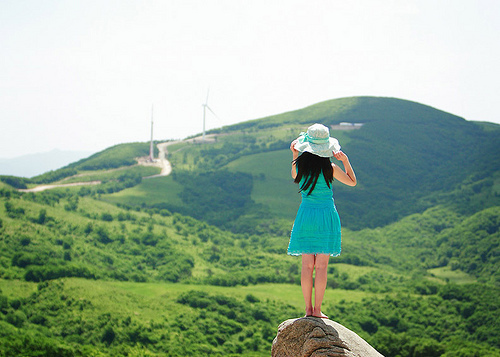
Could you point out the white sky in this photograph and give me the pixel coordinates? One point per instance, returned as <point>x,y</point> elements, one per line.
<point>83,74</point>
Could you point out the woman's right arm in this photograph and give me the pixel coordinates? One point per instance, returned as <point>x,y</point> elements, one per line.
<point>295,156</point>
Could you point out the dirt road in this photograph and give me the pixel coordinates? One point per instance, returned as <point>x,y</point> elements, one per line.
<point>161,162</point>
<point>48,187</point>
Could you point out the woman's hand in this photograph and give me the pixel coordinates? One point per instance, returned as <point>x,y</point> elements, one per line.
<point>292,147</point>
<point>341,156</point>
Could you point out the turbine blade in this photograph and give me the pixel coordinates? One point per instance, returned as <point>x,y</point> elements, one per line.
<point>212,111</point>
<point>208,91</point>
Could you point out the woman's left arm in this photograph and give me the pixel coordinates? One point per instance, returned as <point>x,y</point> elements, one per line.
<point>295,154</point>
<point>348,177</point>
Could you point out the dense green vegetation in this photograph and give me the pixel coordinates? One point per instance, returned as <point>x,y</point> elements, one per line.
<point>195,264</point>
<point>60,233</point>
<point>413,151</point>
<point>443,322</point>
<point>227,197</point>
<point>16,182</point>
<point>82,319</point>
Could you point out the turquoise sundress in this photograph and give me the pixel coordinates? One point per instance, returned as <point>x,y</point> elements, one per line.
<point>316,229</point>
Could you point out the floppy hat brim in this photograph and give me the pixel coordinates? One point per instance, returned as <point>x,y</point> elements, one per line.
<point>322,150</point>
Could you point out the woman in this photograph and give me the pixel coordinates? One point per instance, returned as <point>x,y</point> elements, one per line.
<point>316,230</point>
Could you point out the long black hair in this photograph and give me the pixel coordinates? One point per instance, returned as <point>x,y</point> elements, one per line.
<point>310,166</point>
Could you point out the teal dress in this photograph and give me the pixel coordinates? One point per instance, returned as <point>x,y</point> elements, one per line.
<point>316,229</point>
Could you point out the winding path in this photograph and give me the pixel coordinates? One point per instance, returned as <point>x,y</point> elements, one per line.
<point>48,187</point>
<point>161,162</point>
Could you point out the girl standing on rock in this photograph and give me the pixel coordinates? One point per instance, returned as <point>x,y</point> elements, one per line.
<point>316,230</point>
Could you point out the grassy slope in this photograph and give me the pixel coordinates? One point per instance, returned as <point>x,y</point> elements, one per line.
<point>152,191</point>
<point>434,246</point>
<point>275,188</point>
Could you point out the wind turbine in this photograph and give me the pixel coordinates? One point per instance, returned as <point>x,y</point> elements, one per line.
<point>151,152</point>
<point>205,107</point>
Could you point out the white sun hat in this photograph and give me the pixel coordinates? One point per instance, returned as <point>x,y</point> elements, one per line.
<point>317,141</point>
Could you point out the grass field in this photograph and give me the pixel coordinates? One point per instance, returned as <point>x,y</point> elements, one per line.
<point>150,299</point>
<point>272,188</point>
<point>453,276</point>
<point>153,191</point>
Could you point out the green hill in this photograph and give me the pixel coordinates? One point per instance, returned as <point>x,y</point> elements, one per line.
<point>195,263</point>
<point>407,157</point>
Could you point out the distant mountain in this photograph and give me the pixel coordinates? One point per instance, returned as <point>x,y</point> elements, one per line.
<point>36,164</point>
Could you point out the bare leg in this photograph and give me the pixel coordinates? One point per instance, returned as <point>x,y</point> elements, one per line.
<point>306,280</point>
<point>321,265</point>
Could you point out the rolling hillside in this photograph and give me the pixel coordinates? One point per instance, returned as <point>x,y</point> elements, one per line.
<point>407,157</point>
<point>195,263</point>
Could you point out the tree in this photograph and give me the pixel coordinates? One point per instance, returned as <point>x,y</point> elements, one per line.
<point>108,335</point>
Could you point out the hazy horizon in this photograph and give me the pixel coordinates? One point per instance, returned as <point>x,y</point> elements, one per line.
<point>34,164</point>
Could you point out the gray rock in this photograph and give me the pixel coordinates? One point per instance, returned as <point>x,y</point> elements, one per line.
<point>314,337</point>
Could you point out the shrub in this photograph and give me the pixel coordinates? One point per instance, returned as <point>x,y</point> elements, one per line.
<point>42,217</point>
<point>106,217</point>
<point>4,304</point>
<point>16,318</point>
<point>50,272</point>
<point>88,228</point>
<point>15,304</point>
<point>196,299</point>
<point>427,347</point>
<point>13,212</point>
<point>177,268</point>
<point>23,260</point>
<point>72,204</point>
<point>108,336</point>
<point>67,256</point>
<point>369,325</point>
<point>251,298</point>
<point>39,320</point>
<point>260,314</point>
<point>103,235</point>
<point>25,241</point>
<point>149,239</point>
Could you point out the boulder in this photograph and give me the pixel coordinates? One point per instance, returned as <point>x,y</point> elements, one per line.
<point>314,337</point>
